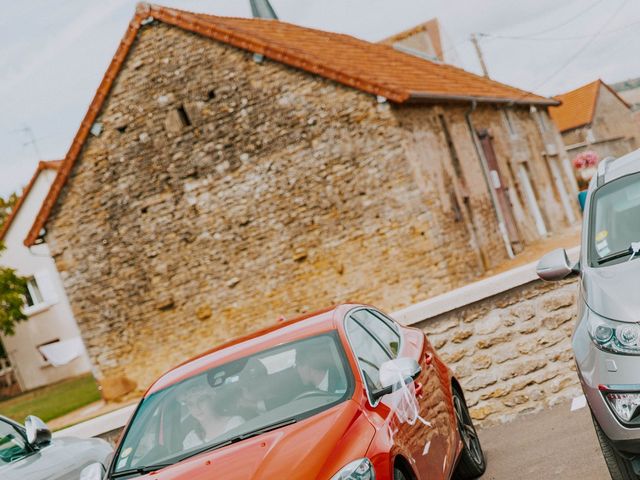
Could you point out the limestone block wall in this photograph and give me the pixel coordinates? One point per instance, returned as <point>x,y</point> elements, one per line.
<point>511,352</point>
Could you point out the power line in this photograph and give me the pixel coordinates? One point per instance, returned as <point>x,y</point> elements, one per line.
<point>586,45</point>
<point>566,22</point>
<point>556,39</point>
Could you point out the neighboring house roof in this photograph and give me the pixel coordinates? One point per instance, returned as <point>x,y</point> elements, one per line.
<point>430,27</point>
<point>578,106</point>
<point>43,165</point>
<point>370,67</point>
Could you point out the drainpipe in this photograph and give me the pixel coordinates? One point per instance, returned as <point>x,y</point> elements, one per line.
<point>487,179</point>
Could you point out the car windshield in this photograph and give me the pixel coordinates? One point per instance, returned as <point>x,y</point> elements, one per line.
<point>234,401</point>
<point>615,221</point>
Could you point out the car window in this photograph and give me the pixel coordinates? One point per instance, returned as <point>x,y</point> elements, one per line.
<point>381,328</point>
<point>12,444</point>
<point>234,399</point>
<point>615,219</point>
<point>368,350</point>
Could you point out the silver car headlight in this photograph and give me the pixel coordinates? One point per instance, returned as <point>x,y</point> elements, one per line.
<point>615,337</point>
<point>361,469</point>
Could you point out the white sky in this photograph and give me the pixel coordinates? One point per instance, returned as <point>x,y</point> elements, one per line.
<point>53,54</point>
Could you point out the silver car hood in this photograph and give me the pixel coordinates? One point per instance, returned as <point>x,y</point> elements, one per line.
<point>614,291</point>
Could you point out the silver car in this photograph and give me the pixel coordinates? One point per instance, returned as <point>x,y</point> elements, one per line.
<point>29,453</point>
<point>606,339</point>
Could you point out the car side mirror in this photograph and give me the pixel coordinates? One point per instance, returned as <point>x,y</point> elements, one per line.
<point>38,434</point>
<point>394,372</point>
<point>555,266</point>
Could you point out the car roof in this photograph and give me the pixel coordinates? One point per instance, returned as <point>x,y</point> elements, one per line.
<point>614,169</point>
<point>282,331</point>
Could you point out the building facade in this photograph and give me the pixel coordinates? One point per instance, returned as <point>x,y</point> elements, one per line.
<point>47,347</point>
<point>218,183</point>
<point>595,118</point>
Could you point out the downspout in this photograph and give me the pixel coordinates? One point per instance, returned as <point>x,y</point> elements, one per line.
<point>487,177</point>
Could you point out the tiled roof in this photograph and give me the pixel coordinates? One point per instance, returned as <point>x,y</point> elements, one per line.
<point>42,165</point>
<point>578,106</point>
<point>373,68</point>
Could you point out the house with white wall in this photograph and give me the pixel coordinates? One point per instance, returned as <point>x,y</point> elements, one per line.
<point>47,347</point>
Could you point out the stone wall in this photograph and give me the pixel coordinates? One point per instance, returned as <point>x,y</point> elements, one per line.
<point>221,193</point>
<point>511,352</point>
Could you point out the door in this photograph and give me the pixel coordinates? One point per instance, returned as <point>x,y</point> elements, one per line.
<point>496,181</point>
<point>376,340</point>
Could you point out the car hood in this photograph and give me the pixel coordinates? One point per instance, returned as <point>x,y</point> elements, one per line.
<point>612,291</point>
<point>314,448</point>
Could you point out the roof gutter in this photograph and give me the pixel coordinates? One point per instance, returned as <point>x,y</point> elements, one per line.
<point>418,97</point>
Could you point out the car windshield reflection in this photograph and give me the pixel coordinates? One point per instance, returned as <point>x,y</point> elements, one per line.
<point>236,400</point>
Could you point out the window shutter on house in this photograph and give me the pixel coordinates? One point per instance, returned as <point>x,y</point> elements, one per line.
<point>46,285</point>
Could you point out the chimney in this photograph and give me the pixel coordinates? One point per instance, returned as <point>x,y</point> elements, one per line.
<point>263,9</point>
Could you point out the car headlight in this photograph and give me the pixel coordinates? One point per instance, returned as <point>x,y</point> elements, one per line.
<point>615,337</point>
<point>624,404</point>
<point>361,469</point>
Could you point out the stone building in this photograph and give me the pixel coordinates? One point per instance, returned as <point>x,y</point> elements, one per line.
<point>230,171</point>
<point>47,347</point>
<point>595,117</point>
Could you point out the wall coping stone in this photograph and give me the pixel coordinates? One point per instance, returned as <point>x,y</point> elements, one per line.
<point>471,293</point>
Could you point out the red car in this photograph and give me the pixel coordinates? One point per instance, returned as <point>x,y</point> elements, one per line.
<point>346,393</point>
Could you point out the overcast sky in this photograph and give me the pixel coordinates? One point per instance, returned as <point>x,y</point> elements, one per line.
<point>53,54</point>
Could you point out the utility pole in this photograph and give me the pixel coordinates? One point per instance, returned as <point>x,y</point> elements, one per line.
<point>474,40</point>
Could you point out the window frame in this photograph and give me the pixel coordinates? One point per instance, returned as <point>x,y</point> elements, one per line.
<point>32,289</point>
<point>592,255</point>
<point>382,317</point>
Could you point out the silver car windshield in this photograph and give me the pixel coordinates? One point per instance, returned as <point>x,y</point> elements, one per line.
<point>235,401</point>
<point>615,221</point>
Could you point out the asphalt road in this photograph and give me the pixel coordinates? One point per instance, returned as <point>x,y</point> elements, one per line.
<point>553,444</point>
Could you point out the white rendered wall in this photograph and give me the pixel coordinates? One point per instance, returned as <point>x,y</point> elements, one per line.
<point>52,320</point>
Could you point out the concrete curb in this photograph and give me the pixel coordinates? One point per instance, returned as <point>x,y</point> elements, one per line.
<point>99,425</point>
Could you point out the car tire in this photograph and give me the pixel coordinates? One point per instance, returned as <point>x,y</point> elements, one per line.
<point>399,474</point>
<point>619,467</point>
<point>471,463</point>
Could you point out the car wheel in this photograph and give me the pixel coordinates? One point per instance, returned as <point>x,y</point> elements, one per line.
<point>472,463</point>
<point>619,467</point>
<point>399,474</point>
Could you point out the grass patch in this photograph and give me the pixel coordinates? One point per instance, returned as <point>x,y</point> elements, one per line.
<point>52,401</point>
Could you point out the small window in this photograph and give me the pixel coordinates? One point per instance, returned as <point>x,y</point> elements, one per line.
<point>184,116</point>
<point>385,333</point>
<point>369,352</point>
<point>51,342</point>
<point>33,294</point>
<point>13,446</point>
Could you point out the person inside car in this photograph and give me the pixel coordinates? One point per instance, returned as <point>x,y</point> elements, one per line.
<point>212,411</point>
<point>316,370</point>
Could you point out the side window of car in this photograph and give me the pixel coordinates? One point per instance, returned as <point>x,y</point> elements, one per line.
<point>381,328</point>
<point>369,351</point>
<point>12,444</point>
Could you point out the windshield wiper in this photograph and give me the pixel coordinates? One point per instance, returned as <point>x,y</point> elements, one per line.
<point>140,470</point>
<point>614,256</point>
<point>633,250</point>
<point>243,436</point>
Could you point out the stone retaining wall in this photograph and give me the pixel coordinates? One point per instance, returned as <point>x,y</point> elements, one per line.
<point>512,351</point>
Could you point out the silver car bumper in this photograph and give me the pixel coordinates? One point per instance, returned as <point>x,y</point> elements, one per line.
<point>595,368</point>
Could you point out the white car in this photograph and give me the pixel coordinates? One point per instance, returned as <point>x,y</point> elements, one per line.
<point>29,452</point>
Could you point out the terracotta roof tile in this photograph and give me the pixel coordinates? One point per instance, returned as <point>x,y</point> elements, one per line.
<point>578,106</point>
<point>373,68</point>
